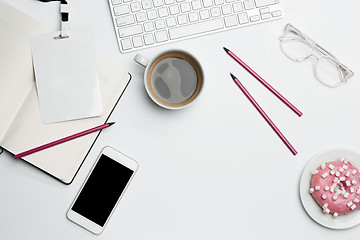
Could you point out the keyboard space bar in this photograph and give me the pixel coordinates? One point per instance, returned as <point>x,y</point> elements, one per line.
<point>196,28</point>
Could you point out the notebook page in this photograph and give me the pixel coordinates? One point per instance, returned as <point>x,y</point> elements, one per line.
<point>15,72</point>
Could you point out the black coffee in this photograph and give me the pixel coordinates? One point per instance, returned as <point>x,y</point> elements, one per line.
<point>175,79</point>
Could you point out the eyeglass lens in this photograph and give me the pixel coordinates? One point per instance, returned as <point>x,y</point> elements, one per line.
<point>295,46</point>
<point>328,72</point>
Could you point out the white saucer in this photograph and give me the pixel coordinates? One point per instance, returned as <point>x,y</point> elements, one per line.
<point>311,207</point>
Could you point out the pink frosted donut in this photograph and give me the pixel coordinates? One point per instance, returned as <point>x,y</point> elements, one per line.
<point>335,186</point>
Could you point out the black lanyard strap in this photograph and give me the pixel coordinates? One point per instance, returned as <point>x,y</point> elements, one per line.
<point>64,10</point>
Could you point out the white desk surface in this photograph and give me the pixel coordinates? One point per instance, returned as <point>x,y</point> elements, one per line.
<point>214,170</point>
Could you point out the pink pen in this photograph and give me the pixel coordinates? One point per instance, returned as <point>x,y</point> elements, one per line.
<point>261,111</point>
<point>62,140</point>
<point>267,85</point>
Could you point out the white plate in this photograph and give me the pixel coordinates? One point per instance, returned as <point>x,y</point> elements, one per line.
<point>311,207</point>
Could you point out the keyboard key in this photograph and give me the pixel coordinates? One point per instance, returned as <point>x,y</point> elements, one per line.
<point>168,2</point>
<point>140,17</point>
<point>264,10</point>
<point>193,17</point>
<point>215,12</point>
<point>204,14</point>
<point>163,12</point>
<point>237,7</point>
<point>276,13</point>
<point>196,28</point>
<point>185,7</point>
<point>125,20</point>
<point>115,2</point>
<point>254,18</point>
<point>151,14</point>
<point>161,36</point>
<point>149,39</point>
<point>125,44</point>
<point>226,9</point>
<point>196,4</point>
<point>182,19</point>
<point>174,9</point>
<point>265,16</point>
<point>160,24</point>
<point>243,18</point>
<point>171,22</point>
<point>126,1</point>
<point>207,3</point>
<point>219,2</point>
<point>137,41</point>
<point>230,21</point>
<point>149,26</point>
<point>129,31</point>
<point>146,4</point>
<point>262,3</point>
<point>249,4</point>
<point>158,3</point>
<point>135,6</point>
<point>121,10</point>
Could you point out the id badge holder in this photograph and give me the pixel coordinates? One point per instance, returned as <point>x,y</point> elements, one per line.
<point>65,72</point>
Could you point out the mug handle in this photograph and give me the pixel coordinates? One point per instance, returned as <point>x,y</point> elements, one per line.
<point>140,59</point>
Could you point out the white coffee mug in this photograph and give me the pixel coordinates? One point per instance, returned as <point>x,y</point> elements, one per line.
<point>173,79</point>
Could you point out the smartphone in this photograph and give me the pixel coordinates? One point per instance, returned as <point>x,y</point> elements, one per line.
<point>102,190</point>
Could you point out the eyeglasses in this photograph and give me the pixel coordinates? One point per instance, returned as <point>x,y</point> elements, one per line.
<point>298,47</point>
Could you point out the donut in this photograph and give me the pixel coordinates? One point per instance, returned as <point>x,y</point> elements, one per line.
<point>335,186</point>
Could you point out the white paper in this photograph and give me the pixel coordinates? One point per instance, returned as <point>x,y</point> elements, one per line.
<point>66,78</point>
<point>16,74</point>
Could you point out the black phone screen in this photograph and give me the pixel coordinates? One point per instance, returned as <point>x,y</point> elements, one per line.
<point>102,190</point>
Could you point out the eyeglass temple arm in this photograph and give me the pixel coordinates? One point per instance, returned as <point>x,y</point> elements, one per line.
<point>290,39</point>
<point>324,51</point>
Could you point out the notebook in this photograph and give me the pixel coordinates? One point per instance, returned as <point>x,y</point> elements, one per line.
<point>21,127</point>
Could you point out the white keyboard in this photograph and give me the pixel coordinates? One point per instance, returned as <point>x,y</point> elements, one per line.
<point>145,23</point>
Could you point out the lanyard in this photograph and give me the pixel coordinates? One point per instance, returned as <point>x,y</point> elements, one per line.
<point>64,10</point>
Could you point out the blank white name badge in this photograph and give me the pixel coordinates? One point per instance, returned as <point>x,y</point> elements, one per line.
<point>66,77</point>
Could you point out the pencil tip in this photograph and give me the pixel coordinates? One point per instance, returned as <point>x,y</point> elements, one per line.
<point>226,50</point>
<point>233,77</point>
<point>110,123</point>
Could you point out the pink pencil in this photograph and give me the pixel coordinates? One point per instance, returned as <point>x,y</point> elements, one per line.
<point>267,85</point>
<point>261,111</point>
<point>62,140</point>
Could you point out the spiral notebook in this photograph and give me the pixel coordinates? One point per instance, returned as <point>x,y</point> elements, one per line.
<point>21,127</point>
